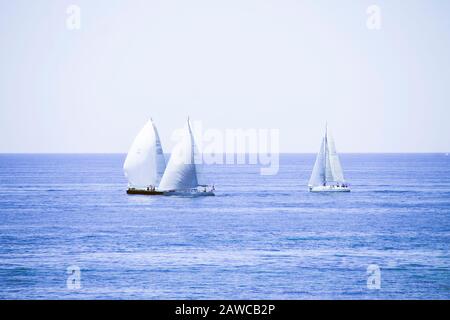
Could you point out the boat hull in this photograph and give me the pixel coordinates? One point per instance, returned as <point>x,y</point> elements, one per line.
<point>180,193</point>
<point>201,191</point>
<point>329,189</point>
<point>145,192</point>
<point>188,193</point>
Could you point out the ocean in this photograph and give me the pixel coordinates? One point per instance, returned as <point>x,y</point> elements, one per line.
<point>261,237</point>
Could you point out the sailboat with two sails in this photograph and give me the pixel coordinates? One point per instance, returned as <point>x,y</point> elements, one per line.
<point>327,175</point>
<point>146,170</point>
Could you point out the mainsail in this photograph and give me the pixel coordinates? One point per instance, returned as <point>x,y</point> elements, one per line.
<point>145,162</point>
<point>327,169</point>
<point>181,171</point>
<point>335,163</point>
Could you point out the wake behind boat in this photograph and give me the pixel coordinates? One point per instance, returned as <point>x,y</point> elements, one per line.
<point>145,162</point>
<point>200,191</point>
<point>327,175</point>
<point>181,175</point>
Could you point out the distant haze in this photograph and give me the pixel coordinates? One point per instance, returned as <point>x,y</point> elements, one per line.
<point>287,64</point>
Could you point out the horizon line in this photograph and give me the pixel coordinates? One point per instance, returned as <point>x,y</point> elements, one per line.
<point>222,153</point>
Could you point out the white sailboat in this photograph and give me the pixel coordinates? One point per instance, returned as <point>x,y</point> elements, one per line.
<point>145,163</point>
<point>181,175</point>
<point>327,175</point>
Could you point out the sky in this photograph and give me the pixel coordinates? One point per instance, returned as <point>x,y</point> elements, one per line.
<point>290,65</point>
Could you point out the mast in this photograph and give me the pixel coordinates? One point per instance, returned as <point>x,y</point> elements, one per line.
<point>193,149</point>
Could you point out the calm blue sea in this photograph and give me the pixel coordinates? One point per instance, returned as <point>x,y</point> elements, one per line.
<point>260,237</point>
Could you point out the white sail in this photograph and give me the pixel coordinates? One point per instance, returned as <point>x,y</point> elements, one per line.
<point>335,163</point>
<point>181,171</point>
<point>327,169</point>
<point>318,173</point>
<point>145,162</point>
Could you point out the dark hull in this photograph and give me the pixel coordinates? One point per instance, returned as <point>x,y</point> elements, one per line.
<point>145,192</point>
<point>170,193</point>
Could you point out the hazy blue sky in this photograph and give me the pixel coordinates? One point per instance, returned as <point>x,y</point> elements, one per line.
<point>286,64</point>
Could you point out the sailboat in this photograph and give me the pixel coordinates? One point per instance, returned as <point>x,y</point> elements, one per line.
<point>181,175</point>
<point>145,163</point>
<point>327,175</point>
